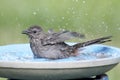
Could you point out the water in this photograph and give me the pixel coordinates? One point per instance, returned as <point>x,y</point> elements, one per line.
<point>22,52</point>
<point>34,13</point>
<point>83,1</point>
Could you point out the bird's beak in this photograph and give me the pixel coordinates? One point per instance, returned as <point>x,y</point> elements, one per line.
<point>25,32</point>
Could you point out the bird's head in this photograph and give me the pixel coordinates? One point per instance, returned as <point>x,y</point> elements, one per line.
<point>33,31</point>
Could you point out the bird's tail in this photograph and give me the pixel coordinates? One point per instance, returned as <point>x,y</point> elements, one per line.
<point>95,41</point>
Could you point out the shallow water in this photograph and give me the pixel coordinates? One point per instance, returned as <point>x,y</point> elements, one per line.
<point>22,52</point>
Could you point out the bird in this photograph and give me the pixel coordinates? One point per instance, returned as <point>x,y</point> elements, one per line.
<point>51,45</point>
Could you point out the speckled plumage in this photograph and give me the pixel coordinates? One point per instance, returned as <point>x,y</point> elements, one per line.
<point>51,45</point>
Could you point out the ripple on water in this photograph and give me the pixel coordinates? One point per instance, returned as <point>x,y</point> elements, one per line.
<point>22,52</point>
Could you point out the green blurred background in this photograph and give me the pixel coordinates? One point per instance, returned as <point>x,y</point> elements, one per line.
<point>94,18</point>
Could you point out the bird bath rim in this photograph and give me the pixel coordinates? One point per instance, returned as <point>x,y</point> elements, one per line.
<point>60,65</point>
<point>55,69</point>
<point>53,64</point>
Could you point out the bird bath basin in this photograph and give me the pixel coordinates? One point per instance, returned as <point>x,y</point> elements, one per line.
<point>17,62</point>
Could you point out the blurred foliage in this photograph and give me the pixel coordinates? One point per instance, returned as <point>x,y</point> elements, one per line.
<point>94,18</point>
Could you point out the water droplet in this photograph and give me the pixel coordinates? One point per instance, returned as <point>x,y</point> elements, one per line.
<point>38,9</point>
<point>117,24</point>
<point>69,8</point>
<point>76,0</point>
<point>34,13</point>
<point>83,1</point>
<point>67,12</point>
<point>63,17</point>
<point>86,14</point>
<point>19,25</point>
<point>100,25</point>
<point>63,28</point>
<point>73,12</point>
<point>69,19</point>
<point>103,22</point>
<point>16,18</point>
<point>66,23</point>
<point>46,9</point>
<point>72,8</point>
<point>92,36</point>
<point>119,28</point>
<point>106,28</point>
<point>52,20</point>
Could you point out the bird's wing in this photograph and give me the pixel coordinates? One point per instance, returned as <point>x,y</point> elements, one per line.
<point>58,37</point>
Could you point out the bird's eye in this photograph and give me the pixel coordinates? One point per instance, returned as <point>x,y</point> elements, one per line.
<point>34,31</point>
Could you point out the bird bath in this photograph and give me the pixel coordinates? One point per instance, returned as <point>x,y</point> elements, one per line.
<point>17,62</point>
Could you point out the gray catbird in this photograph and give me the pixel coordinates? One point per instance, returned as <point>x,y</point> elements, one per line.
<point>51,45</point>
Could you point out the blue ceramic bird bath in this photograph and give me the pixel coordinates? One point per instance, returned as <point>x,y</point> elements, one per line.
<point>17,62</point>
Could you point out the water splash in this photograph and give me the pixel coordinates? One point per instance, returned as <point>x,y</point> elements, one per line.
<point>22,52</point>
<point>84,2</point>
<point>117,24</point>
<point>76,0</point>
<point>103,22</point>
<point>63,17</point>
<point>52,19</point>
<point>119,28</point>
<point>73,12</point>
<point>86,14</point>
<point>106,28</point>
<point>34,13</point>
<point>66,24</point>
